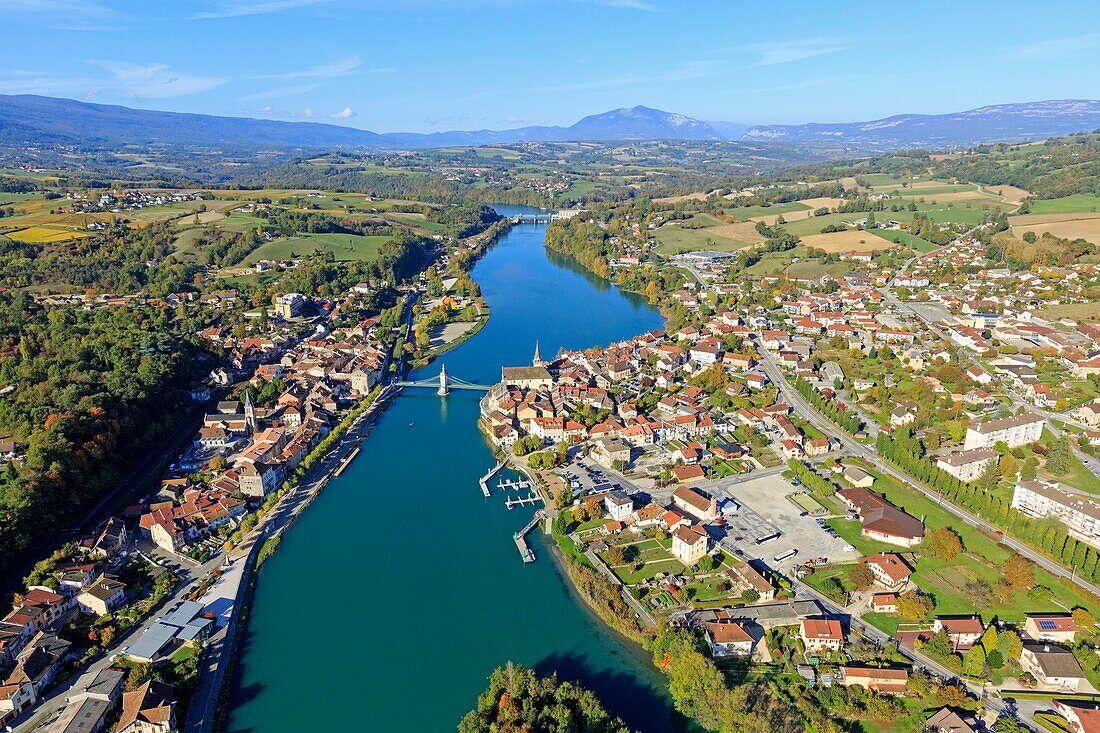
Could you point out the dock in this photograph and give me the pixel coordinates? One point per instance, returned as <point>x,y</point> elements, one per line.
<point>485,479</point>
<point>526,552</point>
<point>344,463</point>
<point>507,485</point>
<point>531,498</point>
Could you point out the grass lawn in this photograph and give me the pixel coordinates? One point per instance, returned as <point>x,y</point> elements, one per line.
<point>344,247</point>
<point>1078,476</point>
<point>1067,205</point>
<point>887,622</point>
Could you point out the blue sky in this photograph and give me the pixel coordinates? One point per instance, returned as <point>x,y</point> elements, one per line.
<point>428,65</point>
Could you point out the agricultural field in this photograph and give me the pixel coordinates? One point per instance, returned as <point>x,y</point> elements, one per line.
<point>1066,226</point>
<point>344,247</point>
<point>906,239</point>
<point>749,213</point>
<point>1067,205</point>
<point>853,240</point>
<point>46,234</point>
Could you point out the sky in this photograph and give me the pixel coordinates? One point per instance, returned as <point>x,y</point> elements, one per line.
<point>433,65</point>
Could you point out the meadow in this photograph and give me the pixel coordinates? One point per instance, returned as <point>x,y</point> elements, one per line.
<point>344,247</point>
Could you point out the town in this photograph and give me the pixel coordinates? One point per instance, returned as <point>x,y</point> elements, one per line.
<point>756,475</point>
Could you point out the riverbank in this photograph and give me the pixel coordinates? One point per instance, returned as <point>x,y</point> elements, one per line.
<point>208,709</point>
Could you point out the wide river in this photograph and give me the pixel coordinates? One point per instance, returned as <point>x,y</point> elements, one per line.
<point>400,589</point>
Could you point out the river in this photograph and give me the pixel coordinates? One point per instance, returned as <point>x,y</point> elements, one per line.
<point>400,589</point>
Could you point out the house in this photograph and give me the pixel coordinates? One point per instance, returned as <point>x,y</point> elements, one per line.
<point>684,474</point>
<point>35,668</point>
<point>611,450</point>
<point>745,577</point>
<point>695,502</point>
<point>967,465</point>
<point>962,631</point>
<point>886,681</point>
<point>689,544</point>
<point>87,711</point>
<point>901,416</point>
<point>821,633</point>
<point>857,477</point>
<point>946,720</point>
<point>103,596</point>
<point>1082,716</point>
<point>884,602</point>
<point>1053,666</point>
<point>728,639</point>
<point>882,520</point>
<point>1058,627</point>
<point>148,709</point>
<point>618,505</point>
<point>889,570</point>
<point>1013,431</point>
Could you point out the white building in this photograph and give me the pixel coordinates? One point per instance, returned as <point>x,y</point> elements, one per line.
<point>1048,499</point>
<point>1013,431</point>
<point>967,465</point>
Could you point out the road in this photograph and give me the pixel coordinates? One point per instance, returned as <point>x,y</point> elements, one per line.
<point>869,454</point>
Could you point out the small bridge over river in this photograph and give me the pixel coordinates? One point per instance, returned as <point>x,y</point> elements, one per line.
<point>443,383</point>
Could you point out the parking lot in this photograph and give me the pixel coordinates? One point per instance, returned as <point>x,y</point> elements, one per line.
<point>591,479</point>
<point>766,510</point>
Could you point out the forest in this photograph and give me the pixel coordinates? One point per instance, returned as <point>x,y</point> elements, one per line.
<point>84,384</point>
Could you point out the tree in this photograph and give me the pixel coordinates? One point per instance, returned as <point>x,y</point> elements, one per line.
<point>1084,618</point>
<point>1058,460</point>
<point>751,595</point>
<point>989,640</point>
<point>1019,573</point>
<point>939,645</point>
<point>1006,723</point>
<point>979,593</point>
<point>519,700</point>
<point>974,661</point>
<point>860,576</point>
<point>913,606</point>
<point>615,555</point>
<point>944,543</point>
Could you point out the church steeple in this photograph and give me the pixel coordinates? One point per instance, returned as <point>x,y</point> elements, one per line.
<point>249,412</point>
<point>537,361</point>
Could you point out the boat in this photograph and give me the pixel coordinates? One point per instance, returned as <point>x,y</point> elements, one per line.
<point>411,424</point>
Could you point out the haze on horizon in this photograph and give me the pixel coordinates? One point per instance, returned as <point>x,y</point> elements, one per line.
<point>432,65</point>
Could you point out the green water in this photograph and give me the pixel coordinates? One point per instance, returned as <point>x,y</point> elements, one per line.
<point>400,589</point>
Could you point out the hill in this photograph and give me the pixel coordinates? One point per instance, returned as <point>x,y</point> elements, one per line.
<point>998,123</point>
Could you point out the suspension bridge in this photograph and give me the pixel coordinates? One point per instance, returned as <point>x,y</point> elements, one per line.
<point>443,383</point>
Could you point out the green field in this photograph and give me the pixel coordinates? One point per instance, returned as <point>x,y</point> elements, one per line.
<point>744,213</point>
<point>344,247</point>
<point>675,240</point>
<point>1067,205</point>
<point>906,239</point>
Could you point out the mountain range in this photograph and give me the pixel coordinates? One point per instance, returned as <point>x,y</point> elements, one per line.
<point>37,120</point>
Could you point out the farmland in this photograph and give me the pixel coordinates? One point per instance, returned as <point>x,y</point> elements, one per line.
<point>343,247</point>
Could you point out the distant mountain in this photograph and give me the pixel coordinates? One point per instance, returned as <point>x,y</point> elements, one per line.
<point>33,120</point>
<point>997,123</point>
<point>30,119</point>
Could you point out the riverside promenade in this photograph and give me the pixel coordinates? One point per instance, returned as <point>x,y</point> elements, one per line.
<point>233,587</point>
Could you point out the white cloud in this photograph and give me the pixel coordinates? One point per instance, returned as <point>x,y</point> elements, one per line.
<point>74,15</point>
<point>344,114</point>
<point>122,80</point>
<point>1057,47</point>
<point>308,113</point>
<point>333,69</point>
<point>783,52</point>
<point>242,9</point>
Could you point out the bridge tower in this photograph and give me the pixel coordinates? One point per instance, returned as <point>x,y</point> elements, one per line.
<point>443,390</point>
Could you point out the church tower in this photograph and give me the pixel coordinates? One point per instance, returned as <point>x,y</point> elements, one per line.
<point>537,361</point>
<point>249,413</point>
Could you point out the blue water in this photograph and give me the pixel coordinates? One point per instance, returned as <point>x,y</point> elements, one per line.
<point>400,589</point>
